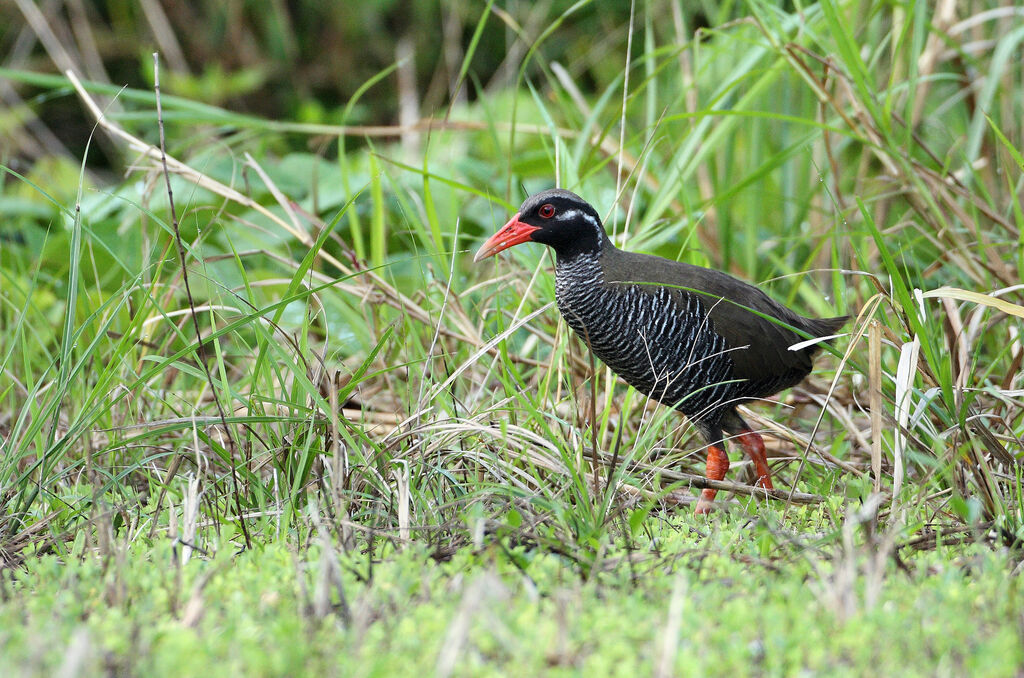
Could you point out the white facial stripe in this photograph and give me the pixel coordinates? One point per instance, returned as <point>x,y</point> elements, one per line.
<point>577,214</point>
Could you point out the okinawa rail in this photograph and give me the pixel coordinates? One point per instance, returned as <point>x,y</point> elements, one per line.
<point>690,337</point>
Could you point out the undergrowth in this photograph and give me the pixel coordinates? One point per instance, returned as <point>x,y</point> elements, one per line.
<point>356,374</point>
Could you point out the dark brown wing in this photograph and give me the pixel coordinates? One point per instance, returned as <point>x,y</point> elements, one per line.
<point>759,347</point>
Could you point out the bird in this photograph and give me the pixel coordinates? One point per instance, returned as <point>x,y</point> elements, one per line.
<point>693,338</point>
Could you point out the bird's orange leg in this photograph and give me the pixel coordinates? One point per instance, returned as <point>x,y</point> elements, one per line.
<point>718,464</point>
<point>753,445</point>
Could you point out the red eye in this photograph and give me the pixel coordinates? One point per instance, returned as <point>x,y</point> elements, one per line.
<point>546,211</point>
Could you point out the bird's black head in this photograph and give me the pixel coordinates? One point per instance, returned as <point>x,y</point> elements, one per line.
<point>558,218</point>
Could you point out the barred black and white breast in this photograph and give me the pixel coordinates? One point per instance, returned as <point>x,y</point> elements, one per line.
<point>657,339</point>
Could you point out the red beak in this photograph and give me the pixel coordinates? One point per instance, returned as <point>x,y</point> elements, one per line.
<point>512,233</point>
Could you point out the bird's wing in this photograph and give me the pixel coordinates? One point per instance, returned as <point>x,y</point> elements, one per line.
<point>747,318</point>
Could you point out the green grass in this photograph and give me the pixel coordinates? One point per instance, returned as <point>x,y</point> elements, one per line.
<point>370,413</point>
<point>684,604</point>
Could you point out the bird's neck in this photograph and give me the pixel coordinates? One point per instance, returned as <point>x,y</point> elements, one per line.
<point>582,256</point>
<point>580,266</point>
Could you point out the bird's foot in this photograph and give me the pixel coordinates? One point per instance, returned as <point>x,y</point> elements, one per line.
<point>718,464</point>
<point>753,444</point>
<point>704,507</point>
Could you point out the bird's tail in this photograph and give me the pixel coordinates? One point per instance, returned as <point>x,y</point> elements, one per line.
<point>823,327</point>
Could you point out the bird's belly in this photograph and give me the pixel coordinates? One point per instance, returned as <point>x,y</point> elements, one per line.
<point>658,340</point>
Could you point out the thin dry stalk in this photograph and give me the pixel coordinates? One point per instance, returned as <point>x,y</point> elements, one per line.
<point>875,400</point>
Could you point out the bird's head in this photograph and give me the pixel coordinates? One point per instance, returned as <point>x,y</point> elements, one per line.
<point>558,218</point>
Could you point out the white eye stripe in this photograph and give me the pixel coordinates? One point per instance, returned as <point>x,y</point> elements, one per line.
<point>577,214</point>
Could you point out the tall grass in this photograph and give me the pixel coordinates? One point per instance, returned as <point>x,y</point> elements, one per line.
<point>860,158</point>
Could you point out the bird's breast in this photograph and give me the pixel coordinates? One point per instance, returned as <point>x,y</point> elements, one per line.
<point>656,338</point>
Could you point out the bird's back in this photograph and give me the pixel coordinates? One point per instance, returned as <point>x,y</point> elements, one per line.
<point>691,337</point>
